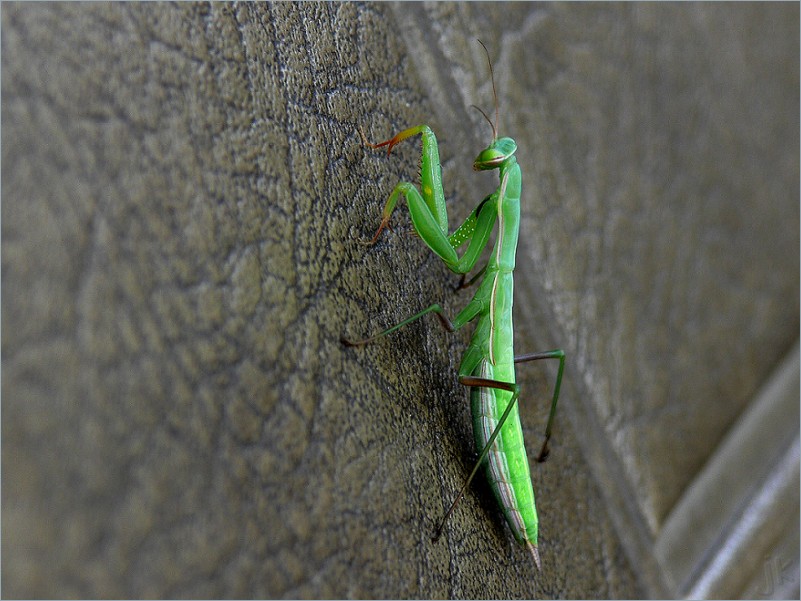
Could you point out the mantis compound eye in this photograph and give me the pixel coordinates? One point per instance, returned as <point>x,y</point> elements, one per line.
<point>495,154</point>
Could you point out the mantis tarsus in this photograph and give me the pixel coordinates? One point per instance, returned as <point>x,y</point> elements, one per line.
<point>487,366</point>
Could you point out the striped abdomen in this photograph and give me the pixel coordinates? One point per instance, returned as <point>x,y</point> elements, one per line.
<point>506,463</point>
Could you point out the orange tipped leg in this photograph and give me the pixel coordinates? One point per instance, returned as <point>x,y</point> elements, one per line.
<point>384,225</point>
<point>392,142</point>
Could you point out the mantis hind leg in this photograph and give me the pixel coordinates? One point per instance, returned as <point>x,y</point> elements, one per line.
<point>555,354</point>
<point>515,390</point>
<point>482,383</point>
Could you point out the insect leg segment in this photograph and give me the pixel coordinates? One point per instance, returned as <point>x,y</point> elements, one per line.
<point>465,283</point>
<point>428,210</point>
<point>486,214</point>
<point>394,141</point>
<point>433,197</point>
<point>465,231</point>
<point>436,309</point>
<point>555,354</point>
<point>425,222</point>
<point>477,231</point>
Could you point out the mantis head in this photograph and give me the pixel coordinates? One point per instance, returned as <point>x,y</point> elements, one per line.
<point>500,149</point>
<point>495,154</point>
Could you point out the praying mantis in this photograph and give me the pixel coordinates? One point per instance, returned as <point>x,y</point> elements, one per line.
<point>488,365</point>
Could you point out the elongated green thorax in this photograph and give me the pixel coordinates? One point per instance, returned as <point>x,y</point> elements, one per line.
<point>490,355</point>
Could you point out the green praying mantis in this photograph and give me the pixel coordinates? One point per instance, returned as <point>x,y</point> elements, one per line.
<point>488,364</point>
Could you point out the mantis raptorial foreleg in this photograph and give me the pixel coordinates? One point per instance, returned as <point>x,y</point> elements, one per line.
<point>428,211</point>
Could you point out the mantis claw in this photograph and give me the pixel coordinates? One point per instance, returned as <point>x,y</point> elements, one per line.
<point>374,239</point>
<point>391,142</point>
<point>384,225</point>
<point>544,451</point>
<point>394,141</point>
